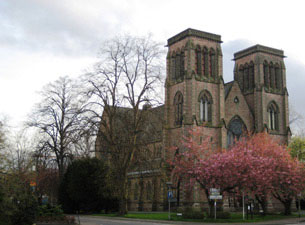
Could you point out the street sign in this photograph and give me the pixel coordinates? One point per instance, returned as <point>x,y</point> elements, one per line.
<point>215,194</point>
<point>216,197</point>
<point>170,194</point>
<point>214,191</point>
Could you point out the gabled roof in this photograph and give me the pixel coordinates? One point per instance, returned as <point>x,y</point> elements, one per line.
<point>228,87</point>
<point>151,125</point>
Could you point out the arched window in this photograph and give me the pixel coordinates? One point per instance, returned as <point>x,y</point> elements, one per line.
<point>251,75</point>
<point>246,77</point>
<point>173,66</point>
<point>272,75</point>
<point>177,65</point>
<point>149,191</point>
<point>205,106</point>
<point>136,191</point>
<point>198,60</point>
<point>205,61</point>
<point>178,104</point>
<point>273,112</point>
<point>278,77</point>
<point>266,74</point>
<point>236,128</point>
<point>241,77</point>
<point>212,63</point>
<point>181,65</point>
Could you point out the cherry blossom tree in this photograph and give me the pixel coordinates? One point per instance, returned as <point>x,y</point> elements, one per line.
<point>255,164</point>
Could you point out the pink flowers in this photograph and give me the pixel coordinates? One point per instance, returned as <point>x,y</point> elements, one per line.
<point>256,164</point>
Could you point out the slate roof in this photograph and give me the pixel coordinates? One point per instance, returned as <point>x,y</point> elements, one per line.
<point>228,87</point>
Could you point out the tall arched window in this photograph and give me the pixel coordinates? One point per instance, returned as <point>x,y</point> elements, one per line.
<point>246,77</point>
<point>178,104</point>
<point>236,128</point>
<point>136,191</point>
<point>205,61</point>
<point>212,63</point>
<point>149,191</point>
<point>177,65</point>
<point>181,65</point>
<point>278,77</point>
<point>241,77</point>
<point>272,75</point>
<point>173,66</point>
<point>266,74</point>
<point>205,106</point>
<point>198,60</point>
<point>251,75</point>
<point>273,112</point>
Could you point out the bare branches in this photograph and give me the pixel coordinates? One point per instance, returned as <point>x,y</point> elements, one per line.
<point>126,78</point>
<point>59,118</point>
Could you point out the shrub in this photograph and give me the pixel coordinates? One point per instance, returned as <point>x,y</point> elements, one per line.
<point>221,215</point>
<point>85,187</point>
<point>48,213</point>
<point>190,213</point>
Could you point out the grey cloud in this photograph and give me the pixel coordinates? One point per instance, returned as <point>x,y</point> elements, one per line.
<point>228,50</point>
<point>52,26</point>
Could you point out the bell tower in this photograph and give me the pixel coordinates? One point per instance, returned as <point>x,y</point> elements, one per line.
<point>261,75</point>
<point>194,87</point>
<point>194,93</point>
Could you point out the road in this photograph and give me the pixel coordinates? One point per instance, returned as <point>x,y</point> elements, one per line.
<point>93,220</point>
<point>90,220</point>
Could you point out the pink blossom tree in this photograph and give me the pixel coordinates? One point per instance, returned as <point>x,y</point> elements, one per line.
<point>255,164</point>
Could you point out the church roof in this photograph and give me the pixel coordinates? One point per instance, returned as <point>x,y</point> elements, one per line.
<point>151,128</point>
<point>228,87</point>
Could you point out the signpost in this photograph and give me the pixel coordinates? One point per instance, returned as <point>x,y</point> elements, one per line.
<point>169,197</point>
<point>215,194</point>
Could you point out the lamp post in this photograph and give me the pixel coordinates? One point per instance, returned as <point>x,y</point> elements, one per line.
<point>169,196</point>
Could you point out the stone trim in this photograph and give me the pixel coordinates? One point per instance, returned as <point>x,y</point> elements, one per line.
<point>194,33</point>
<point>258,48</point>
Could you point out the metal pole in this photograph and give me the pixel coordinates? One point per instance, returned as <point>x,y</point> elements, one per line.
<point>169,209</point>
<point>215,207</point>
<point>299,208</point>
<point>243,206</point>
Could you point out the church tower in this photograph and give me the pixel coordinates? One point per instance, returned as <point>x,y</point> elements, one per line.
<point>260,73</point>
<point>194,91</point>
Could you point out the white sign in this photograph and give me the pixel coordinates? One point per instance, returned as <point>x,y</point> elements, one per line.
<point>216,197</point>
<point>214,191</point>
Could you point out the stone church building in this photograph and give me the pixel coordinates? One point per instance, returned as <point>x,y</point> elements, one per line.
<point>196,96</point>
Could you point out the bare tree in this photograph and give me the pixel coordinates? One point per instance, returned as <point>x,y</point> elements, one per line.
<point>126,78</point>
<point>296,121</point>
<point>58,118</point>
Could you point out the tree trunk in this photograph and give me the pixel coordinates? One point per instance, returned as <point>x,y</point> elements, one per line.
<point>286,201</point>
<point>123,197</point>
<point>287,205</point>
<point>141,197</point>
<point>262,200</point>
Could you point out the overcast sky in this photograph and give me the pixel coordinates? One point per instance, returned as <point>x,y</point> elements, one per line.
<point>41,40</point>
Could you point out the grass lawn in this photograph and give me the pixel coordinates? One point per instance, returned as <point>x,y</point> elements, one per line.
<point>235,217</point>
